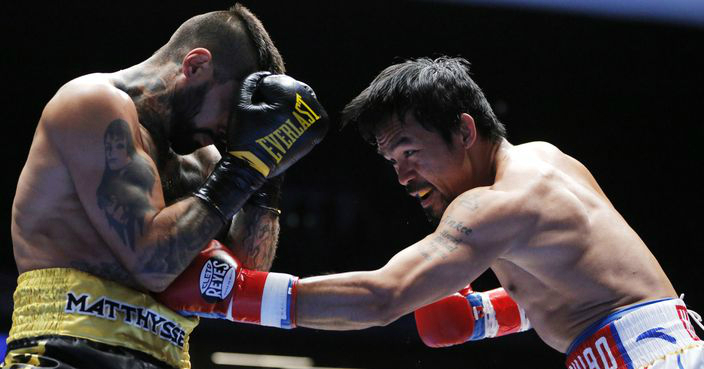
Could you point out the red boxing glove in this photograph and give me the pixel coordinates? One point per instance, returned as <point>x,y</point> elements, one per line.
<point>446,322</point>
<point>469,315</point>
<point>215,286</point>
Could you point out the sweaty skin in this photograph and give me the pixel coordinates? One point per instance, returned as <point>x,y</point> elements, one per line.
<point>533,215</point>
<point>97,194</point>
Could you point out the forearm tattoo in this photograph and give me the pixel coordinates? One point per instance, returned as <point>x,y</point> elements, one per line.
<point>113,271</point>
<point>126,186</point>
<point>175,251</point>
<point>255,234</point>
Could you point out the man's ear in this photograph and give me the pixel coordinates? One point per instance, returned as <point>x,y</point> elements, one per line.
<point>468,130</point>
<point>197,63</point>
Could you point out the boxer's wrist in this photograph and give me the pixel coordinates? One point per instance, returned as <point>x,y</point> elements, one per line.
<point>264,298</point>
<point>268,196</point>
<point>496,314</point>
<point>229,186</point>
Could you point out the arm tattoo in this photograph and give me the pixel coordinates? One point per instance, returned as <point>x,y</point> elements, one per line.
<point>255,233</point>
<point>175,251</point>
<point>445,242</point>
<point>441,246</point>
<point>124,196</point>
<point>457,226</point>
<point>123,193</point>
<point>113,271</point>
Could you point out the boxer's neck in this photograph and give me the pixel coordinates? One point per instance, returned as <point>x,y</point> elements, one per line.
<point>487,157</point>
<point>151,87</point>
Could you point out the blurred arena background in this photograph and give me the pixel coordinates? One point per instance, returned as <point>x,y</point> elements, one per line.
<point>617,84</point>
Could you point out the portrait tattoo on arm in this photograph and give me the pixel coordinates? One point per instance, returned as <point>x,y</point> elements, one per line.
<point>126,185</point>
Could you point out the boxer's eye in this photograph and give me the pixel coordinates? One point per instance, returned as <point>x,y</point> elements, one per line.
<point>409,153</point>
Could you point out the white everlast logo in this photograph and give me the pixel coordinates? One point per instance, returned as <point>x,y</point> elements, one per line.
<point>216,280</point>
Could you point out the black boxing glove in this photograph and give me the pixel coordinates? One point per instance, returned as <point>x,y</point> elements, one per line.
<point>278,120</point>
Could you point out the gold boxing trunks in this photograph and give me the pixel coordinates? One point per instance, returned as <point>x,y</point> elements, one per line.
<point>69,303</point>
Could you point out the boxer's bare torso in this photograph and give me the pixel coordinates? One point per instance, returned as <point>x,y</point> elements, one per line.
<point>531,213</point>
<point>50,224</point>
<point>50,227</point>
<point>579,259</point>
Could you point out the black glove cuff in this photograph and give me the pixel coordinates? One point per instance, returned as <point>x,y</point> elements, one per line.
<point>269,195</point>
<point>229,186</point>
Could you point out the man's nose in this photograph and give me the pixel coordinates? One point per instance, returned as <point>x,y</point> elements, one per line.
<point>405,174</point>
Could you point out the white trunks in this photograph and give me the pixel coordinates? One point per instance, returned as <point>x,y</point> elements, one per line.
<point>653,335</point>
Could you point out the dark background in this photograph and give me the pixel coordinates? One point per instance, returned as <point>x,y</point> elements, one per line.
<point>623,96</point>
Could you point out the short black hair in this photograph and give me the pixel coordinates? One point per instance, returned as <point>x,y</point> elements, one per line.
<point>437,91</point>
<point>268,58</point>
<point>236,39</point>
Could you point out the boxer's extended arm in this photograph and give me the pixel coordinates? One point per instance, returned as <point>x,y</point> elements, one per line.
<point>477,228</point>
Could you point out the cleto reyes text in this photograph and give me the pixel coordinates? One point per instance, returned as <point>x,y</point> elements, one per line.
<point>281,139</point>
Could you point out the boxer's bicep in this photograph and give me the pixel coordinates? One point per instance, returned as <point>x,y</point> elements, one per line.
<point>115,181</point>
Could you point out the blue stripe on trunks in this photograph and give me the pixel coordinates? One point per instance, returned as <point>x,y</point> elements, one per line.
<point>589,331</point>
<point>626,359</point>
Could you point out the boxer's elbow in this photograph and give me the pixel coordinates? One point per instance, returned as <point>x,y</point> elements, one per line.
<point>385,307</point>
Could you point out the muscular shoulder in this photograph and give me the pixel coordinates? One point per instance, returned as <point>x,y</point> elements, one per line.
<point>551,186</point>
<point>488,219</point>
<point>86,100</point>
<point>535,167</point>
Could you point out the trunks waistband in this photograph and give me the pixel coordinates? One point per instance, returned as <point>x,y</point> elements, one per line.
<point>68,302</point>
<point>633,337</point>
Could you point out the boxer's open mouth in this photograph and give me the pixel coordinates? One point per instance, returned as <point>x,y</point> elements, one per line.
<point>423,194</point>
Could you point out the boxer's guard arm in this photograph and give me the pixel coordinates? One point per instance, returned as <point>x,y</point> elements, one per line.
<point>96,131</point>
<point>253,237</point>
<point>477,228</point>
<point>253,233</point>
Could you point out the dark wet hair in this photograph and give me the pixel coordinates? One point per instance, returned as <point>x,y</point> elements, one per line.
<point>436,91</point>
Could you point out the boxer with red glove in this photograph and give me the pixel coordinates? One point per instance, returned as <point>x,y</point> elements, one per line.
<point>470,316</point>
<point>216,286</point>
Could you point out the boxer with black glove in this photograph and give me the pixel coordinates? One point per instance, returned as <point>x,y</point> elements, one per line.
<point>278,120</point>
